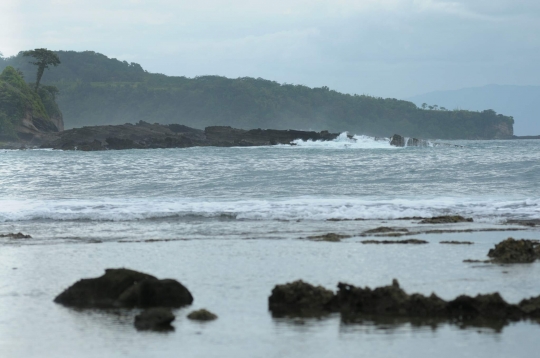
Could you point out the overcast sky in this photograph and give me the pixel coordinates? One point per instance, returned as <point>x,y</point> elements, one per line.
<point>389,48</point>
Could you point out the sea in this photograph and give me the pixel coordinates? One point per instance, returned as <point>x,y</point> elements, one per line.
<point>231,223</point>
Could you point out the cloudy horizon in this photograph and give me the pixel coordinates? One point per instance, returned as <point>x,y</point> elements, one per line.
<point>385,48</point>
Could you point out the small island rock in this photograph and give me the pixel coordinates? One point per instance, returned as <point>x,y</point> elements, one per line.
<point>202,315</point>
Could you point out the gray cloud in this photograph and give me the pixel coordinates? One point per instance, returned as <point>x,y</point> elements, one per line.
<point>385,47</point>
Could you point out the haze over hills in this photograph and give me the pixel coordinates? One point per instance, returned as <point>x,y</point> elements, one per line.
<point>522,102</point>
<point>97,90</point>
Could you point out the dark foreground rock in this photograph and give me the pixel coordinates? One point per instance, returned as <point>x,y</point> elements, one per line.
<point>446,219</point>
<point>300,299</point>
<point>155,319</point>
<point>18,235</point>
<point>125,288</point>
<point>202,315</point>
<point>145,135</point>
<point>515,251</point>
<point>297,298</point>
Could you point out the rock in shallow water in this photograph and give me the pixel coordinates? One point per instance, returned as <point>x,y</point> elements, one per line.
<point>446,219</point>
<point>202,315</point>
<point>298,298</point>
<point>18,235</point>
<point>515,251</point>
<point>155,319</point>
<point>125,288</point>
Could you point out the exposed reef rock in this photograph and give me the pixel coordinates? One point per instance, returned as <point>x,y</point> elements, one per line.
<point>228,137</point>
<point>457,242</point>
<point>330,237</point>
<point>300,299</point>
<point>18,235</point>
<point>408,241</point>
<point>202,315</point>
<point>385,230</point>
<point>400,141</point>
<point>515,251</point>
<point>155,319</point>
<point>446,219</point>
<point>297,298</point>
<point>524,222</point>
<point>125,288</point>
<point>144,135</point>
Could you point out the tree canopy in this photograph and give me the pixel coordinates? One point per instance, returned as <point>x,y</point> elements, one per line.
<point>44,59</point>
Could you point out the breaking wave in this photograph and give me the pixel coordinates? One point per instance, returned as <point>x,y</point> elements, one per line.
<point>487,210</point>
<point>344,140</point>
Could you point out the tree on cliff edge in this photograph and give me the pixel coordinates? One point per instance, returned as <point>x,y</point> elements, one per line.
<point>44,58</point>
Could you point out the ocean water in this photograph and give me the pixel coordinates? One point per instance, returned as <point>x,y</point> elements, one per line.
<point>230,223</point>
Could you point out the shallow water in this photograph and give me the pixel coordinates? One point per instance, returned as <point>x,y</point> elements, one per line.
<point>235,217</point>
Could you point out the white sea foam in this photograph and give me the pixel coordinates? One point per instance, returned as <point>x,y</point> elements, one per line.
<point>488,210</point>
<point>346,141</point>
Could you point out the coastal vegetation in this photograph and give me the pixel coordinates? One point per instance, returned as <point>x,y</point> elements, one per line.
<point>18,101</point>
<point>97,90</point>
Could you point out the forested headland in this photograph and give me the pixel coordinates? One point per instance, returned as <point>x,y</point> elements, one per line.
<point>97,90</point>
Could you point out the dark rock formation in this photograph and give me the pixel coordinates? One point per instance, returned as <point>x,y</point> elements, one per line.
<point>144,135</point>
<point>127,136</point>
<point>202,315</point>
<point>154,293</point>
<point>457,242</point>
<point>531,306</point>
<point>397,141</point>
<point>125,288</point>
<point>330,237</point>
<point>446,219</point>
<point>408,241</point>
<point>383,230</point>
<point>524,222</point>
<point>515,251</point>
<point>300,299</point>
<point>391,301</point>
<point>18,235</point>
<point>155,319</point>
<point>226,136</point>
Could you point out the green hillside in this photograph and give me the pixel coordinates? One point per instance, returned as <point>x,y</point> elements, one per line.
<point>96,90</point>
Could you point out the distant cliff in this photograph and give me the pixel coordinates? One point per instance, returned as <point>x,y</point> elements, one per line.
<point>97,90</point>
<point>25,115</point>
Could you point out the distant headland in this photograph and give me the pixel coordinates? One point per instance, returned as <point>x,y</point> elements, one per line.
<point>92,90</point>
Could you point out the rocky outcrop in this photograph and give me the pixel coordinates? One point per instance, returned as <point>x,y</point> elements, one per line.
<point>300,299</point>
<point>408,241</point>
<point>227,136</point>
<point>202,315</point>
<point>330,237</point>
<point>400,141</point>
<point>397,141</point>
<point>446,219</point>
<point>144,135</point>
<point>18,235</point>
<point>125,288</point>
<point>294,299</point>
<point>155,319</point>
<point>515,251</point>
